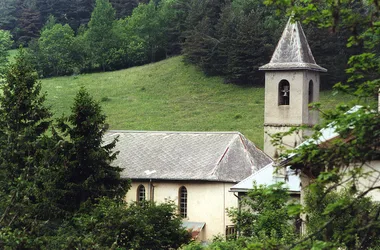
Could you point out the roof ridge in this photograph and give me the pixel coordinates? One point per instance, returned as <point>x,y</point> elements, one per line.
<point>213,171</point>
<point>173,132</point>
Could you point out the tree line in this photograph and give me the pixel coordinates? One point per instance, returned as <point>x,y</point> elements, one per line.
<point>25,18</point>
<point>222,37</point>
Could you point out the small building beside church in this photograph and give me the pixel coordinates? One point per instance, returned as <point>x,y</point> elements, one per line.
<point>195,170</point>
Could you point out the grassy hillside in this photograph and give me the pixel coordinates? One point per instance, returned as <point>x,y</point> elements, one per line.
<point>167,95</point>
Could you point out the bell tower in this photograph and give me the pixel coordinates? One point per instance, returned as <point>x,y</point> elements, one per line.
<point>291,83</point>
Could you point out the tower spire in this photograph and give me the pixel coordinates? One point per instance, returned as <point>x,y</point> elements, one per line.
<point>293,51</point>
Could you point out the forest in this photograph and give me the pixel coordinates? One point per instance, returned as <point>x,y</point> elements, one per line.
<point>226,38</point>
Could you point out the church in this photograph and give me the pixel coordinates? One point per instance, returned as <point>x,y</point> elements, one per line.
<point>204,173</point>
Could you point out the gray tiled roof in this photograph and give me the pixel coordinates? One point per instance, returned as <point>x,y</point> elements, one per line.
<point>293,51</point>
<point>212,156</point>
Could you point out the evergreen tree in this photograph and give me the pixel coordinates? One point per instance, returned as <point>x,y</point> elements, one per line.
<point>23,122</point>
<point>8,14</point>
<point>251,46</point>
<point>88,172</point>
<point>5,45</point>
<point>201,40</point>
<point>29,22</point>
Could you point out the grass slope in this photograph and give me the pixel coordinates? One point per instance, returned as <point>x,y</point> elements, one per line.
<point>167,95</point>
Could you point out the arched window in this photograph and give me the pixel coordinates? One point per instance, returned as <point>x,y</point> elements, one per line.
<point>182,202</point>
<point>284,93</point>
<point>140,193</point>
<point>311,86</point>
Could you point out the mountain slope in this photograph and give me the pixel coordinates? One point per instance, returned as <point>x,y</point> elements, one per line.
<point>167,95</point>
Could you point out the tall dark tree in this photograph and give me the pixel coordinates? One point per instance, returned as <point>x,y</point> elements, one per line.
<point>88,171</point>
<point>29,22</point>
<point>331,52</point>
<point>8,14</point>
<point>23,122</point>
<point>250,46</point>
<point>81,12</point>
<point>200,46</point>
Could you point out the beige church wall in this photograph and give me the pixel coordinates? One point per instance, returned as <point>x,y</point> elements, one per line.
<point>207,202</point>
<point>373,179</point>
<point>289,141</point>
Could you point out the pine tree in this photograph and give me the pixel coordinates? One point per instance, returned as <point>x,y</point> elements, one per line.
<point>88,171</point>
<point>23,121</point>
<point>8,14</point>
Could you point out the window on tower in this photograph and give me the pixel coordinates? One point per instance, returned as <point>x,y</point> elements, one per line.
<point>284,93</point>
<point>311,86</point>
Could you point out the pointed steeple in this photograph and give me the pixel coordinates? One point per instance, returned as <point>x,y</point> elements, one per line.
<point>292,51</point>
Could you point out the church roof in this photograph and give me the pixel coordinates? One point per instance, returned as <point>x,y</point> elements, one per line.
<point>209,156</point>
<point>292,51</point>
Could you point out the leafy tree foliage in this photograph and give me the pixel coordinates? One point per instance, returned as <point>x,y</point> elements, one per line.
<point>148,30</point>
<point>264,213</point>
<point>263,221</point>
<point>118,225</point>
<point>347,219</point>
<point>349,226</point>
<point>56,50</point>
<point>100,35</point>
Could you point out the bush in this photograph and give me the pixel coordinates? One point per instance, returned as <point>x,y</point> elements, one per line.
<point>118,225</point>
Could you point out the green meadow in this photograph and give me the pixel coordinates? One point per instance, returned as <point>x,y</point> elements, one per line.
<point>170,96</point>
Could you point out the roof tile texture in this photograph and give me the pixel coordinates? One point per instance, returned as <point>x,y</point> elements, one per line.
<point>211,156</point>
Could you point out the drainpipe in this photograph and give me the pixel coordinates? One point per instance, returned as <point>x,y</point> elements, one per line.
<point>151,190</point>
